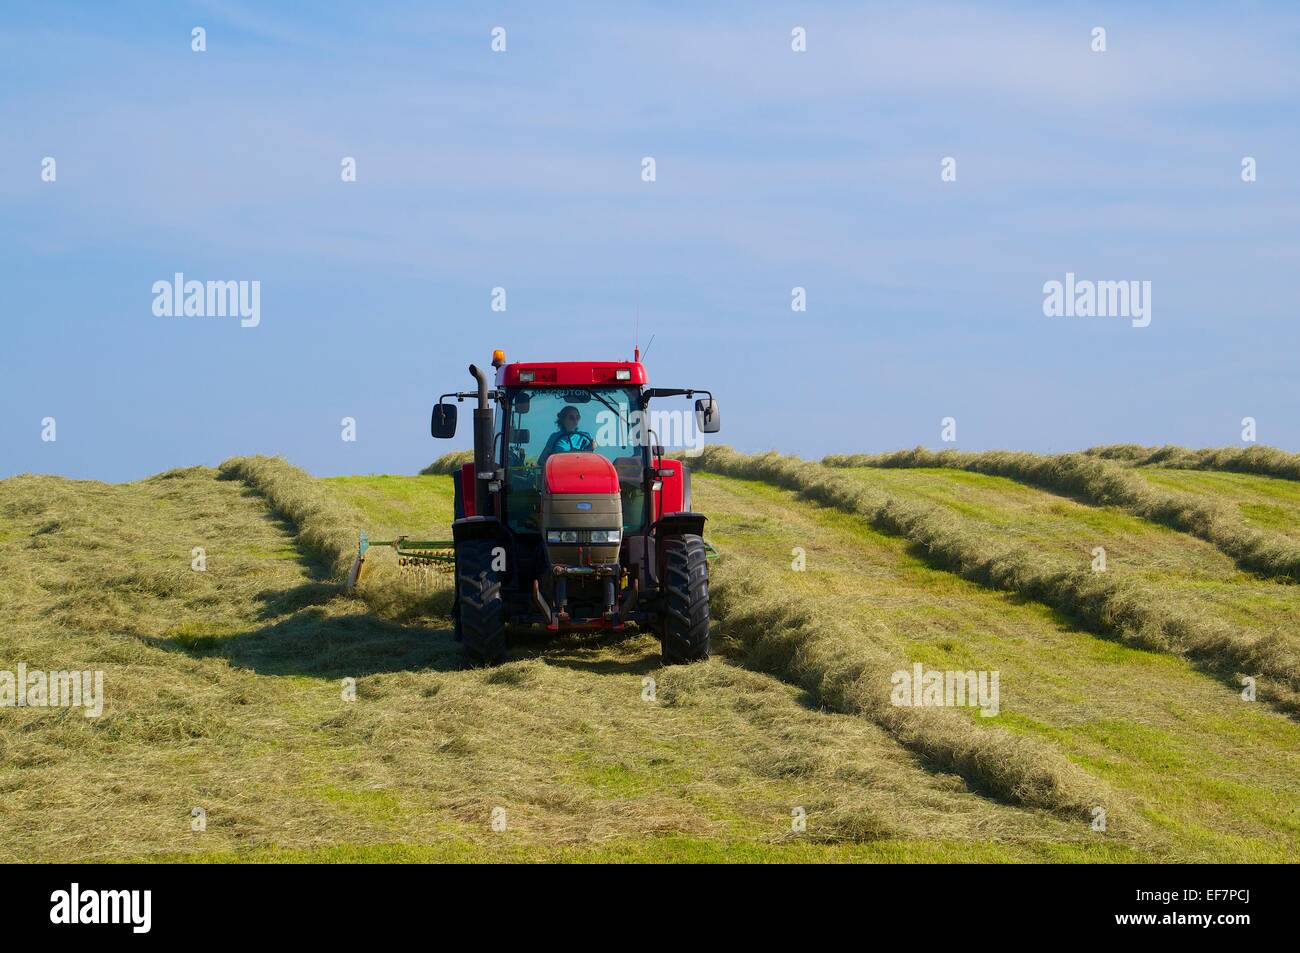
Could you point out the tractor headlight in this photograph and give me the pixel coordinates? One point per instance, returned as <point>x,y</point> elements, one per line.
<point>586,536</point>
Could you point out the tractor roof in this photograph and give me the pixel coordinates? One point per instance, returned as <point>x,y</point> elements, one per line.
<point>572,373</point>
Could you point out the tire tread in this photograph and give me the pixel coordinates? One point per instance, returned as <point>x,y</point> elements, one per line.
<point>685,625</point>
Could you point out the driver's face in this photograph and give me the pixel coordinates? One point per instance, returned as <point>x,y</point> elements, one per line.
<point>569,421</point>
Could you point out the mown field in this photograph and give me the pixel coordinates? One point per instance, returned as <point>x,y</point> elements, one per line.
<point>226,688</point>
<point>1264,502</point>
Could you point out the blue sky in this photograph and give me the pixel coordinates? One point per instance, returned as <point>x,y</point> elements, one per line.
<point>521,169</point>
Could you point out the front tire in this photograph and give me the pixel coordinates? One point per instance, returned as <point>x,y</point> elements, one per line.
<point>480,610</point>
<point>684,630</point>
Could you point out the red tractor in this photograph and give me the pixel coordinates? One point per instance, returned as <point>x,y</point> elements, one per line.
<point>570,517</point>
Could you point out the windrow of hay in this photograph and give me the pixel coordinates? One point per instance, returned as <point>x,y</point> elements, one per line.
<point>327,531</point>
<point>222,690</point>
<point>796,640</point>
<point>1255,459</point>
<point>848,671</point>
<point>1103,483</point>
<point>448,463</point>
<point>1139,616</point>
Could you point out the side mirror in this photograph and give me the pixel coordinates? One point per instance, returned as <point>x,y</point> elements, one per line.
<point>520,436</point>
<point>443,424</point>
<point>707,416</point>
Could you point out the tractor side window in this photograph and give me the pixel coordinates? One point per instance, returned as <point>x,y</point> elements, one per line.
<point>499,453</point>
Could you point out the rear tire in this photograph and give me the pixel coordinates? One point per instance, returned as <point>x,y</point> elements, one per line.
<point>684,630</point>
<point>480,610</point>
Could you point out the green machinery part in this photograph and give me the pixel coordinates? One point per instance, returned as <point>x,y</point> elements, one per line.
<point>436,554</point>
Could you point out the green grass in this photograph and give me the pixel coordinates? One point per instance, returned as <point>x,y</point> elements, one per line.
<point>1191,575</point>
<point>419,506</point>
<point>1269,504</point>
<point>1094,479</point>
<point>676,849</point>
<point>1209,775</point>
<point>224,690</point>
<point>1141,612</point>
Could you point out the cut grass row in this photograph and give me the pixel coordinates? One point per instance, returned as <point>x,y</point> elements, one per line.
<point>810,643</point>
<point>1263,461</point>
<point>327,530</point>
<point>1262,482</point>
<point>239,711</point>
<point>223,690</point>
<point>1175,570</point>
<point>1145,728</point>
<point>1267,503</point>
<point>1103,602</point>
<point>448,463</point>
<point>797,640</point>
<point>1103,483</point>
<point>1213,775</point>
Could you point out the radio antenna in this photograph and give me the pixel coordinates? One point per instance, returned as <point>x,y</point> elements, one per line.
<point>650,345</point>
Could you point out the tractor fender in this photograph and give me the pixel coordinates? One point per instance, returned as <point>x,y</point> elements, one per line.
<point>479,527</point>
<point>679,524</point>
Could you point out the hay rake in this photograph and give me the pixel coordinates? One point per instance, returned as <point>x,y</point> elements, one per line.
<point>423,560</point>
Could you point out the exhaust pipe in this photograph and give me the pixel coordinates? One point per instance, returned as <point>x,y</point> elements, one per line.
<point>483,433</point>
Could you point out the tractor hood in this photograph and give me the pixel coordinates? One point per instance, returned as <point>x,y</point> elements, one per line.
<point>578,473</point>
<point>582,514</point>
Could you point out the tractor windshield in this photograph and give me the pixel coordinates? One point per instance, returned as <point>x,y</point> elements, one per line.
<point>545,421</point>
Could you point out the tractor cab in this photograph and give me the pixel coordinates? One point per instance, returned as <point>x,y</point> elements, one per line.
<point>570,517</point>
<point>538,424</point>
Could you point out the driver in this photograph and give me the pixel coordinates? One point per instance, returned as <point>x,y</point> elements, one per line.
<point>568,437</point>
